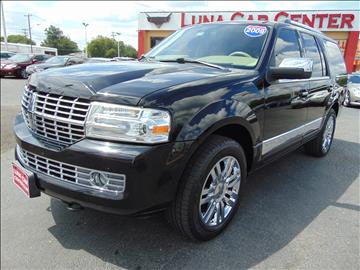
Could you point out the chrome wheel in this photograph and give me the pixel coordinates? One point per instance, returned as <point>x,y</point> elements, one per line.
<point>220,191</point>
<point>347,99</point>
<point>328,134</point>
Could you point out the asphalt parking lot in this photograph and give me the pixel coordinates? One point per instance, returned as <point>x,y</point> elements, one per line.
<point>298,213</point>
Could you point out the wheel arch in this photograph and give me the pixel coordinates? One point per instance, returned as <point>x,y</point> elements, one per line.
<point>235,128</point>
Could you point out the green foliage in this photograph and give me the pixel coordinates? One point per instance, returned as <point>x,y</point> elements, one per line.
<point>107,47</point>
<point>55,38</point>
<point>19,39</point>
<point>111,53</point>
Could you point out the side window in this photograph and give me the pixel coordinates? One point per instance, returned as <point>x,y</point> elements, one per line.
<point>39,57</point>
<point>335,58</point>
<point>323,63</point>
<point>312,52</point>
<point>286,46</point>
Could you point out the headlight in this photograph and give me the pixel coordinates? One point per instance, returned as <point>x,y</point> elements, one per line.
<point>11,66</point>
<point>125,123</point>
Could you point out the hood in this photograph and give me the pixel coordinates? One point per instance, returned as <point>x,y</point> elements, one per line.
<point>120,82</point>
<point>7,61</point>
<point>46,65</point>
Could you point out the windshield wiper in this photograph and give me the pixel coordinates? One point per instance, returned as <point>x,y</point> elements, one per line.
<point>189,60</point>
<point>146,58</point>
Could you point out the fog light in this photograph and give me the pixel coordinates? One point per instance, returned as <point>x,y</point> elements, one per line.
<point>98,179</point>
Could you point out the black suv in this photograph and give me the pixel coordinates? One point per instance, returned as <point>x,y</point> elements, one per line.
<point>181,129</point>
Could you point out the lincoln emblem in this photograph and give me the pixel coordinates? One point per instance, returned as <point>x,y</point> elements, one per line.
<point>158,21</point>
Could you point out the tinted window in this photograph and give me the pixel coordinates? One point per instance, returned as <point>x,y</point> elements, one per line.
<point>335,58</point>
<point>39,57</point>
<point>286,46</point>
<point>312,52</point>
<point>323,63</point>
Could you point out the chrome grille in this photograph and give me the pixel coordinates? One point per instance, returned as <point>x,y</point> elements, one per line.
<point>59,119</point>
<point>69,173</point>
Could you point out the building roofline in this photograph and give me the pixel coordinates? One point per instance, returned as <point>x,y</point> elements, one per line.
<point>210,11</point>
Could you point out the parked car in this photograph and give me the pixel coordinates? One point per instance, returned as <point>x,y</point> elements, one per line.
<point>16,64</point>
<point>98,60</point>
<point>181,129</point>
<point>352,95</point>
<point>55,62</point>
<point>5,55</point>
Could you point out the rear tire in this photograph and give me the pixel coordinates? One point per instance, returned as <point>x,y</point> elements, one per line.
<point>321,145</point>
<point>208,194</point>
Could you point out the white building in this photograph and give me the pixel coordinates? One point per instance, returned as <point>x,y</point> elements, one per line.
<point>25,48</point>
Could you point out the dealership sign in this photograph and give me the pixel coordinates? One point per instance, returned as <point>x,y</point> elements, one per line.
<point>345,20</point>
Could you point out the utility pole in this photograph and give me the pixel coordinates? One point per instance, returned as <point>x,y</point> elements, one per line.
<point>28,16</point>
<point>3,23</point>
<point>85,25</point>
<point>25,32</point>
<point>113,34</point>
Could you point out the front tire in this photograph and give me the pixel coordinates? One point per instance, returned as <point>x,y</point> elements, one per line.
<point>321,145</point>
<point>347,99</point>
<point>208,195</point>
<point>23,74</point>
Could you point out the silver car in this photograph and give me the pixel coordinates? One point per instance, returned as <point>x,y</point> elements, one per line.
<point>352,95</point>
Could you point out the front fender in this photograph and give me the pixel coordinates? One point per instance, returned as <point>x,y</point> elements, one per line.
<point>219,114</point>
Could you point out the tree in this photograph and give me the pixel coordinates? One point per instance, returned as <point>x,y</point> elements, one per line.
<point>55,38</point>
<point>19,39</point>
<point>107,47</point>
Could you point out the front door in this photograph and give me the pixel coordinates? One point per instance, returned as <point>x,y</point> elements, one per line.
<point>285,100</point>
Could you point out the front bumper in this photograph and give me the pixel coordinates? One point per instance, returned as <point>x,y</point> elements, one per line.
<point>152,172</point>
<point>354,99</point>
<point>8,72</point>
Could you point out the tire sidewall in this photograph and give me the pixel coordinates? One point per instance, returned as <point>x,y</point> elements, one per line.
<point>347,99</point>
<point>23,74</point>
<point>330,114</point>
<point>231,148</point>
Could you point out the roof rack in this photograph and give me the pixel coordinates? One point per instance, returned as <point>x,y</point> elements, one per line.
<point>288,21</point>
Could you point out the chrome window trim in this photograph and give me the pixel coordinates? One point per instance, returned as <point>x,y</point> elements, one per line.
<point>274,142</point>
<point>303,80</point>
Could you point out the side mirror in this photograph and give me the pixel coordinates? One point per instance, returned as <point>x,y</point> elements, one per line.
<point>70,62</point>
<point>292,68</point>
<point>34,61</point>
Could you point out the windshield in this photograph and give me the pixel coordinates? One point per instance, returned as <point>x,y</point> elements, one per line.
<point>228,45</point>
<point>21,57</point>
<point>354,79</point>
<point>61,60</point>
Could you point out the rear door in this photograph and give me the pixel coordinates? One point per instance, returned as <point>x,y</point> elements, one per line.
<point>337,69</point>
<point>319,84</point>
<point>285,107</point>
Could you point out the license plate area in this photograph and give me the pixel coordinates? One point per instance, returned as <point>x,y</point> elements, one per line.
<point>25,180</point>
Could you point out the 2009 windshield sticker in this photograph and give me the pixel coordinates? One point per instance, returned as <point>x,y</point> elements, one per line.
<point>255,30</point>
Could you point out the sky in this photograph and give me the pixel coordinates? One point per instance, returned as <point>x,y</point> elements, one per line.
<point>105,17</point>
